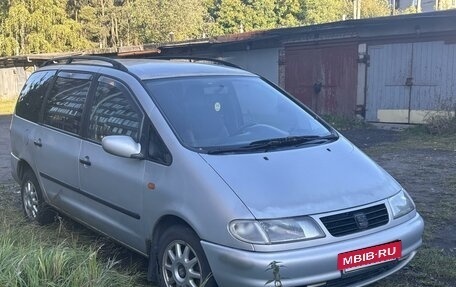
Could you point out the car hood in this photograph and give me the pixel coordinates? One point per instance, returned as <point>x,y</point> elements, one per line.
<point>304,181</point>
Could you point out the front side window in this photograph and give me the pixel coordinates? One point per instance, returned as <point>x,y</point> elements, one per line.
<point>112,112</point>
<point>32,95</point>
<point>65,103</point>
<point>221,112</point>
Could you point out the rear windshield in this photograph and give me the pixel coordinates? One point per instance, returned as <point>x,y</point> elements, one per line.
<point>228,111</point>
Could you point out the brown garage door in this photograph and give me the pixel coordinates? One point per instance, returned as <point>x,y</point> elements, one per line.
<point>324,77</point>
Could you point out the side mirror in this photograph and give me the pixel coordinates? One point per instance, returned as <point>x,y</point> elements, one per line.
<point>123,146</point>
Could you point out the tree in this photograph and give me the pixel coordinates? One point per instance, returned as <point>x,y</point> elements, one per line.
<point>445,4</point>
<point>172,20</point>
<point>162,21</point>
<point>229,16</point>
<point>374,8</point>
<point>288,13</point>
<point>234,16</point>
<point>8,46</point>
<point>323,11</point>
<point>37,26</point>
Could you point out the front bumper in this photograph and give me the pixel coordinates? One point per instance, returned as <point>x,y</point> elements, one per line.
<point>310,266</point>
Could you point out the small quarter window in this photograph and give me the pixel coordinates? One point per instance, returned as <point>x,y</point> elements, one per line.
<point>158,152</point>
<point>112,112</point>
<point>32,95</point>
<point>65,103</point>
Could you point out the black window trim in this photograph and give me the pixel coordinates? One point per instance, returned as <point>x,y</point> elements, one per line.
<point>148,127</point>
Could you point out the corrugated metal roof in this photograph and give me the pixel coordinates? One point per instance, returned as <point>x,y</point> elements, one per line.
<point>387,24</point>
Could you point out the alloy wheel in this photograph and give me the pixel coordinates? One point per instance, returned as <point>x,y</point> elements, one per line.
<point>181,266</point>
<point>31,203</point>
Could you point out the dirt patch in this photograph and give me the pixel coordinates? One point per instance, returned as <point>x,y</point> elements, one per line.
<point>426,167</point>
<point>368,137</point>
<point>428,174</point>
<point>425,173</point>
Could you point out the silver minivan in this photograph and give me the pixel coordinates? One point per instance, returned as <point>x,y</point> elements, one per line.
<point>209,171</point>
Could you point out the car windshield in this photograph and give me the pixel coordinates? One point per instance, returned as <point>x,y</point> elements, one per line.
<point>233,113</point>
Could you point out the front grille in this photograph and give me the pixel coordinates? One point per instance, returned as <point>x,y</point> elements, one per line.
<point>345,223</point>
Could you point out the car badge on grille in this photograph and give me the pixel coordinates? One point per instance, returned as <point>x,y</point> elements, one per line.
<point>361,220</point>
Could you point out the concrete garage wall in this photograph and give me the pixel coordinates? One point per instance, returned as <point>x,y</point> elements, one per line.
<point>264,62</point>
<point>11,81</point>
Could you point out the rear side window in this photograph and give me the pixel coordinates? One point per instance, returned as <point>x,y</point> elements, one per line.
<point>113,112</point>
<point>65,103</point>
<point>32,95</point>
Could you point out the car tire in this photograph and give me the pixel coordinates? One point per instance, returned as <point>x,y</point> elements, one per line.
<point>181,259</point>
<point>33,204</point>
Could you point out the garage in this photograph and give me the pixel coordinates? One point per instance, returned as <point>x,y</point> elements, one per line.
<point>324,77</point>
<point>409,82</point>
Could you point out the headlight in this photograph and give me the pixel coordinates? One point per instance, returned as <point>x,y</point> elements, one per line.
<point>401,204</point>
<point>276,230</point>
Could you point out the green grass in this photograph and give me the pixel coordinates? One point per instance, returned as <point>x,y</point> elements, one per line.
<point>344,123</point>
<point>435,262</point>
<point>430,267</point>
<point>55,255</point>
<point>420,138</point>
<point>417,138</point>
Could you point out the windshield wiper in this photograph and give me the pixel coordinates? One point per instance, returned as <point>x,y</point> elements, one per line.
<point>240,149</point>
<point>292,141</point>
<point>276,143</point>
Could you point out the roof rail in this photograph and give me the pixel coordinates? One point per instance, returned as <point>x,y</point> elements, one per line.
<point>70,60</point>
<point>197,59</point>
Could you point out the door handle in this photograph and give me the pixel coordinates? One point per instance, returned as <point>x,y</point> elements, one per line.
<point>85,161</point>
<point>38,143</point>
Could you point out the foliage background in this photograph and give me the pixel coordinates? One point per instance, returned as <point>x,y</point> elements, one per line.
<point>41,26</point>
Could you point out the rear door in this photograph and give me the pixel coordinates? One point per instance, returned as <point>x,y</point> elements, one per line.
<point>57,141</point>
<point>112,186</point>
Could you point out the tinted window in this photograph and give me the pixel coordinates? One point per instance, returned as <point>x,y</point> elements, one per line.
<point>112,112</point>
<point>66,100</point>
<point>157,150</point>
<point>32,95</point>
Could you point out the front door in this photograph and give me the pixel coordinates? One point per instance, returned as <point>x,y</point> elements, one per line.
<point>112,186</point>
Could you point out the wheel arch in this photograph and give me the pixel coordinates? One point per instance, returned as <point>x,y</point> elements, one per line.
<point>22,167</point>
<point>162,224</point>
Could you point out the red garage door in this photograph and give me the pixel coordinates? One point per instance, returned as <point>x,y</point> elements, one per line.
<point>324,77</point>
